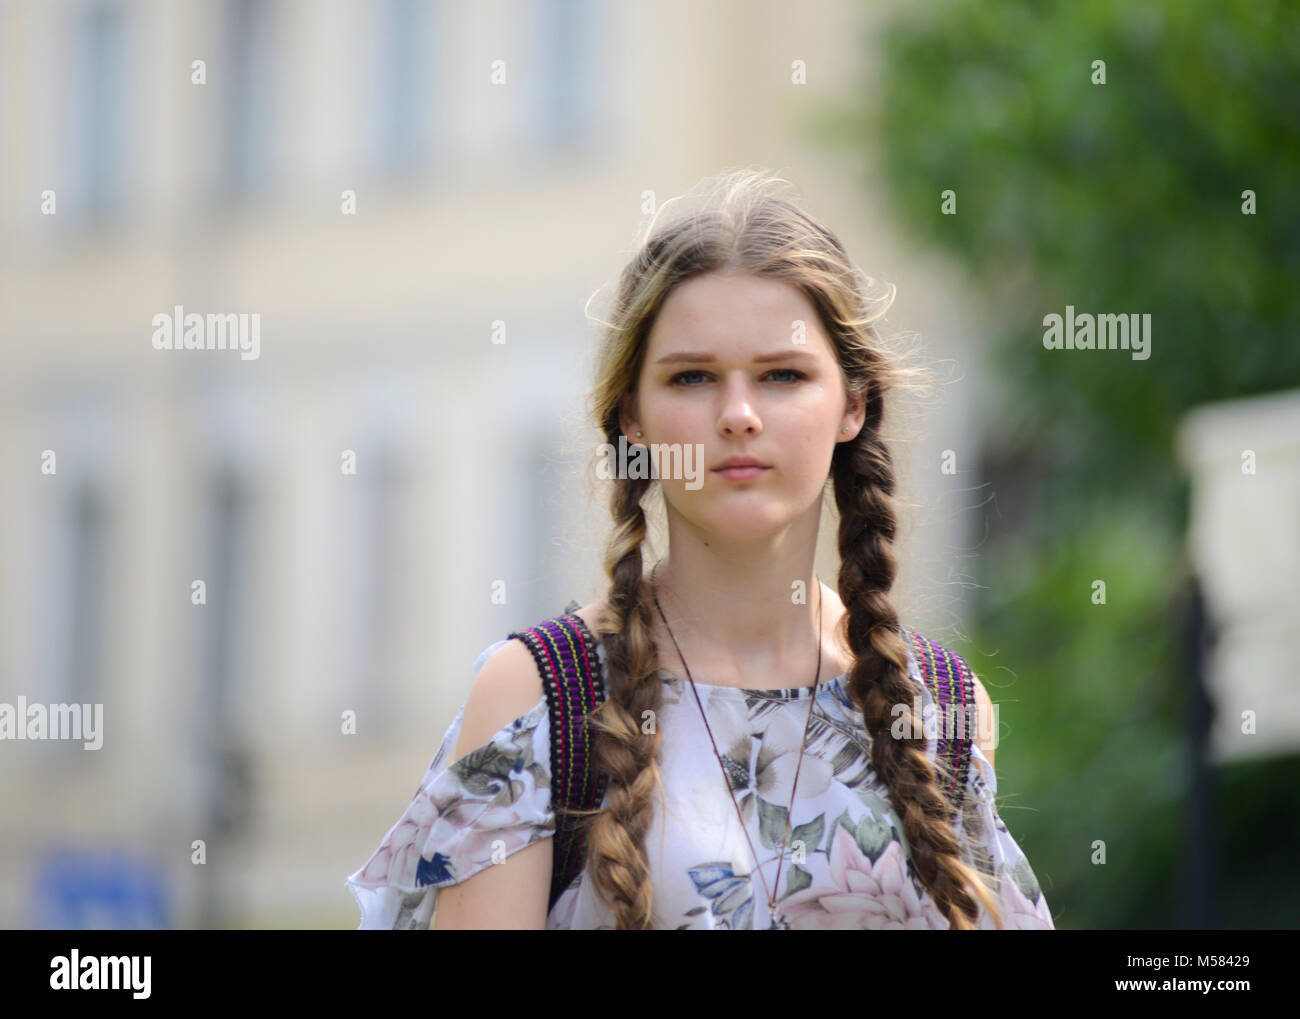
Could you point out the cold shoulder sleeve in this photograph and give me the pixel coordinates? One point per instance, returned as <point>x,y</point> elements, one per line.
<point>466,815</point>
<point>993,851</point>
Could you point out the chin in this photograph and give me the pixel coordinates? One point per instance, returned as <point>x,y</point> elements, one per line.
<point>744,524</point>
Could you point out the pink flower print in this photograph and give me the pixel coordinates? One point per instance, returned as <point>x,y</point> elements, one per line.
<point>863,896</point>
<point>395,861</point>
<point>1018,913</point>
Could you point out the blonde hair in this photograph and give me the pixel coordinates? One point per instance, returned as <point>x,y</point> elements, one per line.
<point>744,223</point>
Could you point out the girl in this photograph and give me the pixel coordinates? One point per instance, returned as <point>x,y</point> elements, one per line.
<point>754,774</point>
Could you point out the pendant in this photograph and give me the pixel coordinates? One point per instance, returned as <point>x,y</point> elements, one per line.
<point>779,923</point>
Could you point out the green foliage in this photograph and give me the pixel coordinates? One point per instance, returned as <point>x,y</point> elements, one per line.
<point>1091,714</point>
<point>1116,197</point>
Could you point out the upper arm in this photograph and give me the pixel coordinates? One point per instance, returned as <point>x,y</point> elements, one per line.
<point>510,895</point>
<point>515,892</point>
<point>986,731</point>
<point>506,687</point>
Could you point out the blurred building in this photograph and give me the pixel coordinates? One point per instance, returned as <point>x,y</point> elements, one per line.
<point>1243,457</point>
<point>415,200</point>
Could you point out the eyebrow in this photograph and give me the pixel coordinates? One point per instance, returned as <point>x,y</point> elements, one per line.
<point>695,357</point>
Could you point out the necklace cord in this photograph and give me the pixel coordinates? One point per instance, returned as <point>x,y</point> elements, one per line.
<point>789,816</point>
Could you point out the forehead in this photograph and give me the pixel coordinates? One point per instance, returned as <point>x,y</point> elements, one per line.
<point>733,313</point>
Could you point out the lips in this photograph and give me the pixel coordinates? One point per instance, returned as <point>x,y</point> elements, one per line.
<point>740,472</point>
<point>739,461</point>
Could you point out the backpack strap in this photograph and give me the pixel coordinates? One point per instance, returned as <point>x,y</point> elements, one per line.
<point>565,651</point>
<point>567,657</point>
<point>951,682</point>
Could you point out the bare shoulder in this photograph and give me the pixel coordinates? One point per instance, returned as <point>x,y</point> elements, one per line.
<point>591,613</point>
<point>987,739</point>
<point>507,686</point>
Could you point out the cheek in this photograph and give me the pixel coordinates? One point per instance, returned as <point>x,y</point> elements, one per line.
<point>810,441</point>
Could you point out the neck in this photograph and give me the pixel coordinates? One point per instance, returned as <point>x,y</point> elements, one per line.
<point>740,610</point>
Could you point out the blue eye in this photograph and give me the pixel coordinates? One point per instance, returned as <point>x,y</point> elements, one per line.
<point>676,379</point>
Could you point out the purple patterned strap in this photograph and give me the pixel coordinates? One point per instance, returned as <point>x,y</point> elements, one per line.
<point>952,684</point>
<point>566,654</point>
<point>565,651</point>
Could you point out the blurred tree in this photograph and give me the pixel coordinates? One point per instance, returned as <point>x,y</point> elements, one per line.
<point>1119,197</point>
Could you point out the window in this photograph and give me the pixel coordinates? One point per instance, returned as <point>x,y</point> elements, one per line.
<point>376,542</point>
<point>74,634</point>
<point>245,85</point>
<point>226,590</point>
<point>400,126</point>
<point>221,743</point>
<point>72,564</point>
<point>564,96</point>
<point>98,125</point>
<point>538,566</point>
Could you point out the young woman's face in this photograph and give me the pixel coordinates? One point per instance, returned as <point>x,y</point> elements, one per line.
<point>700,383</point>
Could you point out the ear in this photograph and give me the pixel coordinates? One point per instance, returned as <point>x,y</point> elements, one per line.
<point>854,416</point>
<point>627,419</point>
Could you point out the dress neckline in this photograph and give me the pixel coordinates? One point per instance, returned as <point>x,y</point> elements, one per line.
<point>783,693</point>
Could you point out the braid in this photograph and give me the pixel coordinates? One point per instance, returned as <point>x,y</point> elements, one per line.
<point>745,222</point>
<point>864,485</point>
<point>616,844</point>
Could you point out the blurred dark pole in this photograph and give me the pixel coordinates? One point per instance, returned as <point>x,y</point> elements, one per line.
<point>225,759</point>
<point>1201,855</point>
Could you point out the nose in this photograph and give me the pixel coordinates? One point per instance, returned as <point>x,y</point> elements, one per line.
<point>738,414</point>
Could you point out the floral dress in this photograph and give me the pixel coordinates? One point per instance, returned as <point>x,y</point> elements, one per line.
<point>847,865</point>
